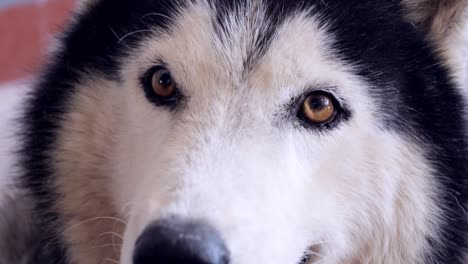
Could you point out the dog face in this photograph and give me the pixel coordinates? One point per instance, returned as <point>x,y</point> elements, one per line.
<point>258,132</point>
<point>236,149</point>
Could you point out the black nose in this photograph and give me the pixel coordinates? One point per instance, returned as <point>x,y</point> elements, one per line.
<point>175,241</point>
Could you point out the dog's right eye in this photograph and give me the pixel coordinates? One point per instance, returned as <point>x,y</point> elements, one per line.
<point>318,108</point>
<point>160,88</point>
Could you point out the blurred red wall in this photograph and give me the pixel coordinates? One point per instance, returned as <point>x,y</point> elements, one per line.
<point>26,30</point>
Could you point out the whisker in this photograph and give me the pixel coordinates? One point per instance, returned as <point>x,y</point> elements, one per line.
<point>158,14</point>
<point>110,233</point>
<point>105,245</point>
<point>133,33</point>
<point>113,235</point>
<point>113,32</point>
<point>116,251</point>
<point>82,223</point>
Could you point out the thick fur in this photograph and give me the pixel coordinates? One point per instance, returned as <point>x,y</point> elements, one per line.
<point>445,22</point>
<point>19,243</point>
<point>385,183</point>
<point>437,17</point>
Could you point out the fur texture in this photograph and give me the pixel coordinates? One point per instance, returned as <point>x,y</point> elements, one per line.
<point>438,17</point>
<point>385,182</point>
<point>19,235</point>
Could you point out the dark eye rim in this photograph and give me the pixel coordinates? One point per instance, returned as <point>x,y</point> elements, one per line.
<point>341,111</point>
<point>170,102</point>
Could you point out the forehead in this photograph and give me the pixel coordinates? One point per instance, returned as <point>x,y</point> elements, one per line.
<point>237,45</point>
<point>245,27</point>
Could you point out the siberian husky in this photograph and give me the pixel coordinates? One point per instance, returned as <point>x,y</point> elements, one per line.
<point>249,131</point>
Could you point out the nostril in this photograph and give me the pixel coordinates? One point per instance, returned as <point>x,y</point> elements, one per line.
<point>176,241</point>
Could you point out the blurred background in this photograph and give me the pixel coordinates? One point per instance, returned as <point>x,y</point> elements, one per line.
<point>27,28</point>
<point>26,31</point>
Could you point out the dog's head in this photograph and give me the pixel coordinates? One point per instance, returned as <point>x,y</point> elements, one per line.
<point>258,132</point>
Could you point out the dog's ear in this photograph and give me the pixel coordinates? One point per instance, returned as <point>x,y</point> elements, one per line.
<point>445,23</point>
<point>437,18</point>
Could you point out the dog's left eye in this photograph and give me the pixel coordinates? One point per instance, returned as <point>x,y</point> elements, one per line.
<point>160,88</point>
<point>162,83</point>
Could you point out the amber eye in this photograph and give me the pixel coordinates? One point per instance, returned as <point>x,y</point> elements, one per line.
<point>162,83</point>
<point>318,108</point>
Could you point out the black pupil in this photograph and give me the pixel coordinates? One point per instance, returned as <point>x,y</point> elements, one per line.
<point>165,80</point>
<point>319,102</point>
